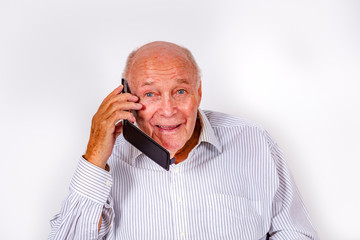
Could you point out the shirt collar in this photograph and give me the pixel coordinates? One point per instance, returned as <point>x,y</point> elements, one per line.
<point>207,132</point>
<point>207,135</point>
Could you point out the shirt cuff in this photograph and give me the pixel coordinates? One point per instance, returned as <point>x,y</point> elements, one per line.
<point>91,181</point>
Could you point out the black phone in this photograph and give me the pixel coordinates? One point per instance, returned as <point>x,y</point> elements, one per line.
<point>143,142</point>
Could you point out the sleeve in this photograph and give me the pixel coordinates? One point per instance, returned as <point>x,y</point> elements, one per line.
<point>290,219</point>
<point>89,198</point>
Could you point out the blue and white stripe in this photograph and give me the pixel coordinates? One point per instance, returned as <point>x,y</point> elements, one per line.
<point>234,185</point>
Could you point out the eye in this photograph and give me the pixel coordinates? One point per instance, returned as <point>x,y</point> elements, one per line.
<point>181,91</point>
<point>149,94</point>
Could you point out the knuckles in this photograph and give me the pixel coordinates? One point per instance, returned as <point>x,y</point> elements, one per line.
<point>111,111</point>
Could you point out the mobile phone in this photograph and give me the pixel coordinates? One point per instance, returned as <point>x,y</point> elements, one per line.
<point>143,142</point>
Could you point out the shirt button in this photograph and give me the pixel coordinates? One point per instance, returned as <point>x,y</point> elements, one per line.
<point>179,200</point>
<point>182,234</point>
<point>176,170</point>
<point>108,183</point>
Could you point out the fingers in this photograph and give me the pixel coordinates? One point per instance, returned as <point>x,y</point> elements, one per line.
<point>117,106</point>
<point>122,106</point>
<point>115,92</point>
<point>125,97</point>
<point>116,101</point>
<point>116,95</point>
<point>119,115</point>
<point>104,126</point>
<point>118,129</point>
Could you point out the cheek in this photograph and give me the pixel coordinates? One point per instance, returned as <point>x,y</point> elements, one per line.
<point>189,107</point>
<point>146,112</point>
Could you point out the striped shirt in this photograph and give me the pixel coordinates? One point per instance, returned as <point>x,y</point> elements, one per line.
<point>234,185</point>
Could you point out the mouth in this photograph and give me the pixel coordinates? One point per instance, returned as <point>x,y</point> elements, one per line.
<point>168,127</point>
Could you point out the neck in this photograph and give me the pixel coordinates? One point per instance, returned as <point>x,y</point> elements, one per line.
<point>183,153</point>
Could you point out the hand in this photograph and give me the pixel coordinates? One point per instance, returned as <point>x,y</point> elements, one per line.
<point>104,129</point>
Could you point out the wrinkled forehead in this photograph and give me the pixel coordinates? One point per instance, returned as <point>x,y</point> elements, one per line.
<point>160,60</point>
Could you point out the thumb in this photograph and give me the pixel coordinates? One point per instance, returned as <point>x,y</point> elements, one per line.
<point>118,129</point>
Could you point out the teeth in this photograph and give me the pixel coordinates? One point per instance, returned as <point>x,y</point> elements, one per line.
<point>168,127</point>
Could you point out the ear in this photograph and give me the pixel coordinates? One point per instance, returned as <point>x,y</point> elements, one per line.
<point>199,94</point>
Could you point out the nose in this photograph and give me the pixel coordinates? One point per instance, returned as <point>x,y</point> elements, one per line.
<point>168,106</point>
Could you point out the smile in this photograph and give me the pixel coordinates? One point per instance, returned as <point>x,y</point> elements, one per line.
<point>168,127</point>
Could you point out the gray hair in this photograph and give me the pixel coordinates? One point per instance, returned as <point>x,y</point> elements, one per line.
<point>131,57</point>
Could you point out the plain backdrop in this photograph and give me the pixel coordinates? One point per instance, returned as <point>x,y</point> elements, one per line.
<point>291,66</point>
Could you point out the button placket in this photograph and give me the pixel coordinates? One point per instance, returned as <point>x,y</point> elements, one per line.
<point>108,183</point>
<point>179,208</point>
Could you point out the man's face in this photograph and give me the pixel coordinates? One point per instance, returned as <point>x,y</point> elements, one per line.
<point>168,89</point>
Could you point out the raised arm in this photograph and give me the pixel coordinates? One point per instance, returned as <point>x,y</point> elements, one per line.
<point>87,211</point>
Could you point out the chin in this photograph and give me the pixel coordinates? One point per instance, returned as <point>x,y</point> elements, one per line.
<point>171,147</point>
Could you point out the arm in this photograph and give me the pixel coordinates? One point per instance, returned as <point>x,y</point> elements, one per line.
<point>87,212</point>
<point>88,200</point>
<point>290,218</point>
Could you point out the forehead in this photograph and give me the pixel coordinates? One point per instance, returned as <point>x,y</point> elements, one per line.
<point>161,64</point>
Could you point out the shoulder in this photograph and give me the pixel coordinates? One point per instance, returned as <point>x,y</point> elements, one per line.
<point>226,125</point>
<point>224,120</point>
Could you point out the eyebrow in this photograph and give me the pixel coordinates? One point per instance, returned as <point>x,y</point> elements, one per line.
<point>179,81</point>
<point>147,83</point>
<point>183,81</point>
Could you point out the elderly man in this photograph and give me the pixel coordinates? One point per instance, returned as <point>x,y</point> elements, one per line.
<point>229,180</point>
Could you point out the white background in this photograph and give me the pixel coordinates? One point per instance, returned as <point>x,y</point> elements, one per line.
<point>292,67</point>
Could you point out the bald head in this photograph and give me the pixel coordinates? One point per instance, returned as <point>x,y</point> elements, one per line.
<point>156,54</point>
